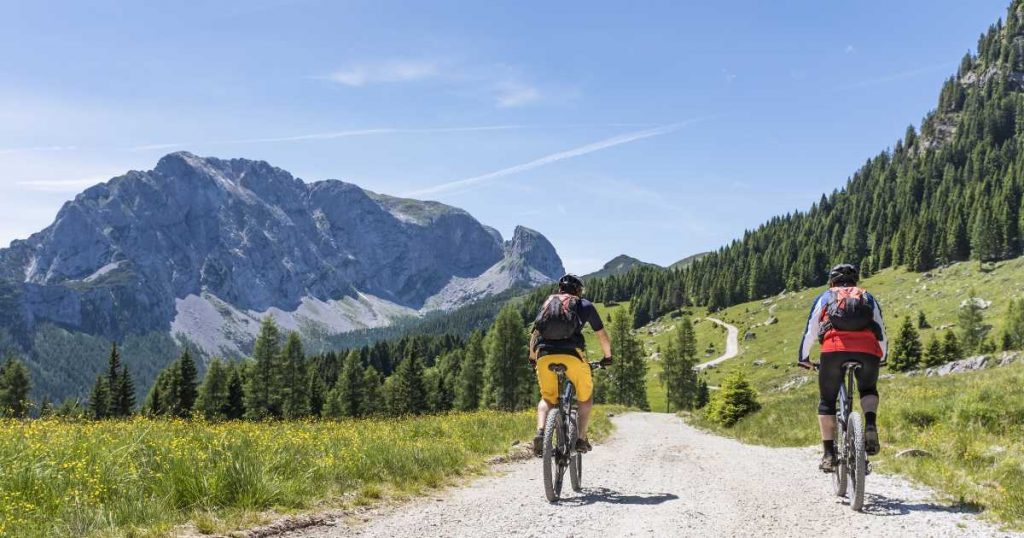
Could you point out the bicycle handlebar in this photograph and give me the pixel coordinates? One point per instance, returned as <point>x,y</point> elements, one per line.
<point>810,365</point>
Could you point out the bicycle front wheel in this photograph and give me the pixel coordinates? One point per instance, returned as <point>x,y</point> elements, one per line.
<point>858,461</point>
<point>554,468</point>
<point>840,473</point>
<point>576,460</point>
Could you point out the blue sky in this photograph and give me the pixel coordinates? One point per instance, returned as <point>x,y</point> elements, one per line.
<point>655,129</point>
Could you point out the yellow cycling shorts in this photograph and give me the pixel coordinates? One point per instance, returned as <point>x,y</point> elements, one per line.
<point>577,370</point>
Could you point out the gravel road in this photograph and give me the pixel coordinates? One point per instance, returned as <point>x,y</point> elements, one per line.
<point>732,344</point>
<point>657,476</point>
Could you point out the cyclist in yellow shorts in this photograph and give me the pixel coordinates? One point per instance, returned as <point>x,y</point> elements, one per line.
<point>558,338</point>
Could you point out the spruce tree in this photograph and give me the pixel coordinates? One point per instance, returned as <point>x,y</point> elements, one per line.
<point>933,355</point>
<point>951,348</point>
<point>906,352</point>
<point>113,370</point>
<point>236,393</point>
<point>373,392</point>
<point>471,378</point>
<point>293,379</point>
<point>626,378</point>
<point>922,321</point>
<point>507,380</point>
<point>15,384</point>
<point>317,390</point>
<point>349,388</point>
<point>187,388</point>
<point>123,399</point>
<point>678,361</point>
<point>703,393</point>
<point>99,399</point>
<point>212,402</point>
<point>262,398</point>
<point>971,324</point>
<point>407,395</point>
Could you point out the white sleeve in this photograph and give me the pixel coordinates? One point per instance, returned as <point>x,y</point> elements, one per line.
<point>883,340</point>
<point>811,330</point>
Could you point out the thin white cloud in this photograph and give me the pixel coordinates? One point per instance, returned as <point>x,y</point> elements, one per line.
<point>385,72</point>
<point>30,149</point>
<point>549,159</point>
<point>331,135</point>
<point>515,94</point>
<point>902,75</point>
<point>62,185</point>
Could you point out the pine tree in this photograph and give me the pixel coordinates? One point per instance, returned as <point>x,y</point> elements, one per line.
<point>507,384</point>
<point>373,392</point>
<point>349,388</point>
<point>293,379</point>
<point>123,399</point>
<point>187,389</point>
<point>262,399</point>
<point>471,379</point>
<point>951,348</point>
<point>113,370</point>
<point>703,393</point>
<point>627,377</point>
<point>212,402</point>
<point>933,355</point>
<point>15,384</point>
<point>153,405</point>
<point>678,374</point>
<point>236,394</point>
<point>99,399</point>
<point>906,352</point>
<point>317,390</point>
<point>971,323</point>
<point>1013,331</point>
<point>922,321</point>
<point>406,393</point>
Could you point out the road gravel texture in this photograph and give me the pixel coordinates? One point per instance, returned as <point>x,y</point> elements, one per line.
<point>657,476</point>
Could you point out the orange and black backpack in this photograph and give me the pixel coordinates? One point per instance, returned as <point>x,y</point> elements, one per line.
<point>846,309</point>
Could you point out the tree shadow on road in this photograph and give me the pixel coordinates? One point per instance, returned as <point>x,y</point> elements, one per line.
<point>880,505</point>
<point>605,495</point>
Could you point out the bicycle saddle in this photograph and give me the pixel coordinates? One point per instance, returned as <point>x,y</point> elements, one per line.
<point>557,368</point>
<point>851,364</point>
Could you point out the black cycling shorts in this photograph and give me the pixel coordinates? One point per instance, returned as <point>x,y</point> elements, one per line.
<point>830,375</point>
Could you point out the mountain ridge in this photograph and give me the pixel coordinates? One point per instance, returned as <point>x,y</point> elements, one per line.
<point>202,248</point>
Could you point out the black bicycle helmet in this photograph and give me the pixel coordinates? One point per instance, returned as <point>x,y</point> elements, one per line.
<point>570,284</point>
<point>843,273</point>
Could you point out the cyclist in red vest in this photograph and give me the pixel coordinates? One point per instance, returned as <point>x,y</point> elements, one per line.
<point>847,322</point>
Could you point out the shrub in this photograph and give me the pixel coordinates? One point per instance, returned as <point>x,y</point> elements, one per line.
<point>733,401</point>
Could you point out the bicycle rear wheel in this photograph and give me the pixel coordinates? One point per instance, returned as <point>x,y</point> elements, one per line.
<point>576,460</point>
<point>839,474</point>
<point>858,462</point>
<point>554,466</point>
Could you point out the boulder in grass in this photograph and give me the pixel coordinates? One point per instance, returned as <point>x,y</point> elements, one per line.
<point>913,453</point>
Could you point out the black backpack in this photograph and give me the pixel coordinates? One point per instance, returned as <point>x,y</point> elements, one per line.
<point>559,318</point>
<point>846,309</point>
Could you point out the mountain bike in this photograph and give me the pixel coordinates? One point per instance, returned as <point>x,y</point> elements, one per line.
<point>853,460</point>
<point>560,433</point>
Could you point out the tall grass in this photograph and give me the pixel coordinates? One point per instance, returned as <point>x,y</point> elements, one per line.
<point>143,476</point>
<point>972,425</point>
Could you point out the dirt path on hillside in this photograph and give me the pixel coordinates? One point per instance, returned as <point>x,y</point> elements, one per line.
<point>732,344</point>
<point>657,476</point>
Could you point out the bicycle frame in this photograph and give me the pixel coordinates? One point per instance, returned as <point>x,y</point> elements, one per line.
<point>846,389</point>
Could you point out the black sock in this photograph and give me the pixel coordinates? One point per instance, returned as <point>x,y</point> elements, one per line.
<point>870,417</point>
<point>830,446</point>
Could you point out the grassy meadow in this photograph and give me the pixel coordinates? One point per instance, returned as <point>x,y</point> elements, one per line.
<point>144,477</point>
